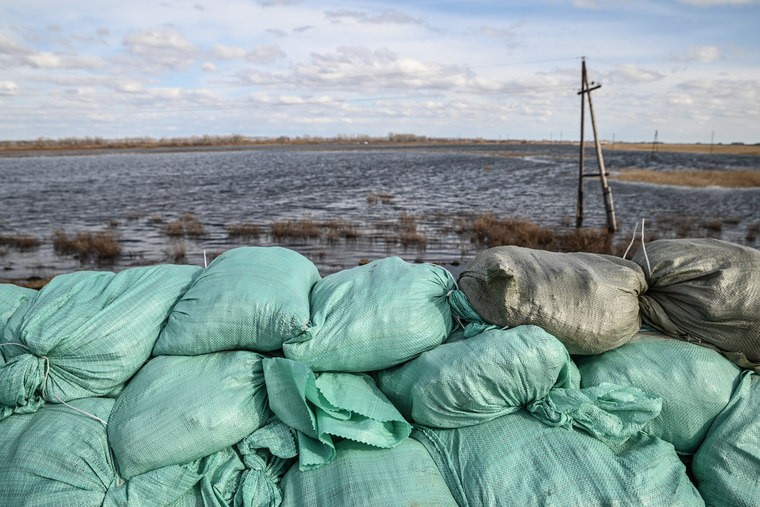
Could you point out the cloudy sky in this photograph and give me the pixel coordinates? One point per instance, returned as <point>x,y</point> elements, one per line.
<point>689,69</point>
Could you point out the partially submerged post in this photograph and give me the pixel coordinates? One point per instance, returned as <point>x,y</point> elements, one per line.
<point>606,191</point>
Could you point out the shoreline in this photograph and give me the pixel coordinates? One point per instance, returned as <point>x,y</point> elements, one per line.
<point>63,147</point>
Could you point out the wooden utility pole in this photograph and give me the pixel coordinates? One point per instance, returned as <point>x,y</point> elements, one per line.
<point>606,191</point>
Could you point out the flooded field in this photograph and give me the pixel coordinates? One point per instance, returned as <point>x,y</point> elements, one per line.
<point>339,205</point>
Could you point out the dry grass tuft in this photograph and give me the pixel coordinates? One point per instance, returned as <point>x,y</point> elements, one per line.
<point>186,225</point>
<point>302,229</point>
<point>383,197</point>
<point>244,230</point>
<point>101,246</point>
<point>730,179</point>
<point>177,252</point>
<point>19,241</point>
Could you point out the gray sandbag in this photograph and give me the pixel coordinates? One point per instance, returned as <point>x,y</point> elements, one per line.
<point>518,460</point>
<point>704,290</point>
<point>177,409</point>
<point>727,464</point>
<point>363,475</point>
<point>375,316</point>
<point>480,378</point>
<point>695,383</point>
<point>589,302</point>
<point>84,334</point>
<point>250,298</point>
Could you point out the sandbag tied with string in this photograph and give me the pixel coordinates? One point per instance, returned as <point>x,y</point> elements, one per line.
<point>375,316</point>
<point>704,290</point>
<point>471,381</point>
<point>589,302</point>
<point>86,333</point>
<point>250,298</point>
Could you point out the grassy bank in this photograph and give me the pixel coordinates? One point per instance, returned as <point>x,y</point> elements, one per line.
<point>701,178</point>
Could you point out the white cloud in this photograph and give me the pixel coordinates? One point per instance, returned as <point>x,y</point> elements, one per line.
<point>705,54</point>
<point>266,53</point>
<point>54,61</point>
<point>389,16</point>
<point>9,46</point>
<point>629,73</point>
<point>209,67</point>
<point>8,88</point>
<point>228,53</point>
<point>160,50</point>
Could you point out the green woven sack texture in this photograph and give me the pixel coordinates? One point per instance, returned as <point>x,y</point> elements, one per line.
<point>375,316</point>
<point>330,406</point>
<point>177,409</point>
<point>518,460</point>
<point>86,333</point>
<point>695,383</point>
<point>727,464</point>
<point>11,297</point>
<point>57,456</point>
<point>480,378</point>
<point>589,302</point>
<point>250,298</point>
<point>365,476</point>
<point>704,290</point>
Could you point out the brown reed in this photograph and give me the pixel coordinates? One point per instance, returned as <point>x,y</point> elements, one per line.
<point>86,246</point>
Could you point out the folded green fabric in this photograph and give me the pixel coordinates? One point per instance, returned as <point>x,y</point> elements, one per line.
<point>610,412</point>
<point>342,405</point>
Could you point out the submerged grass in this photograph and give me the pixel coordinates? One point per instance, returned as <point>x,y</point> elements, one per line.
<point>87,246</point>
<point>19,241</point>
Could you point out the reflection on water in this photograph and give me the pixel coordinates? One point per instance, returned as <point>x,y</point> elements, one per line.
<point>137,194</point>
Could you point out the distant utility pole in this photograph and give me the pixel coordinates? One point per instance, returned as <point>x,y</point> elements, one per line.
<point>585,92</point>
<point>655,148</point>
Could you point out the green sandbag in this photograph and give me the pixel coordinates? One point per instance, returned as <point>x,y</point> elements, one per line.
<point>341,405</point>
<point>727,464</point>
<point>11,297</point>
<point>695,383</point>
<point>478,379</point>
<point>705,290</point>
<point>375,316</point>
<point>211,481</point>
<point>587,301</point>
<point>57,456</point>
<point>86,333</point>
<point>177,409</point>
<point>250,298</point>
<point>518,460</point>
<point>364,476</point>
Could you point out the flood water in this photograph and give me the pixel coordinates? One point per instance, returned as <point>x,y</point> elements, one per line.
<point>136,194</point>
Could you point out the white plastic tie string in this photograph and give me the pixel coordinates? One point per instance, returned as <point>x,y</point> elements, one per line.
<point>44,383</point>
<point>643,245</point>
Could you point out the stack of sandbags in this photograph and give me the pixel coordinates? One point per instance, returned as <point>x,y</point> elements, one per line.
<point>589,302</point>
<point>704,290</point>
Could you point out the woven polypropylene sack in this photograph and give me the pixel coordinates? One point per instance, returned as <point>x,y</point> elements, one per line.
<point>375,316</point>
<point>695,383</point>
<point>517,460</point>
<point>251,298</point>
<point>333,404</point>
<point>177,409</point>
<point>366,476</point>
<point>470,381</point>
<point>86,333</point>
<point>727,464</point>
<point>57,456</point>
<point>704,290</point>
<point>587,301</point>
<point>11,297</point>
